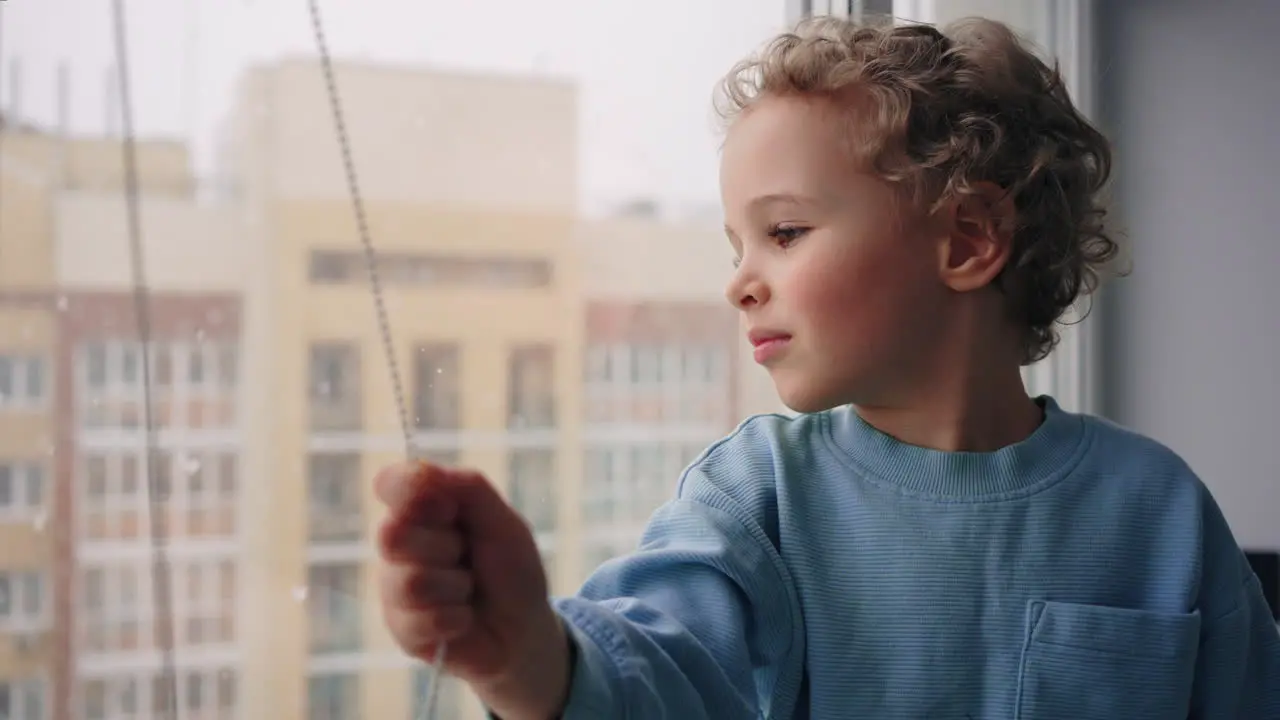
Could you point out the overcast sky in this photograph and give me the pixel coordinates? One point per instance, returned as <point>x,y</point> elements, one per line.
<point>646,69</point>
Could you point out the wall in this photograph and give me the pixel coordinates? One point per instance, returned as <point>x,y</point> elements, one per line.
<point>187,246</point>
<point>1189,95</point>
<point>474,140</point>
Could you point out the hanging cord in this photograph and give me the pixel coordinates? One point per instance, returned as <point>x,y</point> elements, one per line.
<point>157,496</point>
<point>371,262</point>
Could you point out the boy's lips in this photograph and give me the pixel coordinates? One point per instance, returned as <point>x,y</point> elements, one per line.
<point>768,344</point>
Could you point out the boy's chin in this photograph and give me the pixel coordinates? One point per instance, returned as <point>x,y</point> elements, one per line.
<point>806,397</point>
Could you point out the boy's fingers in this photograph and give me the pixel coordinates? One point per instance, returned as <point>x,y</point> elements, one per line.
<point>418,490</point>
<point>427,589</point>
<point>406,541</point>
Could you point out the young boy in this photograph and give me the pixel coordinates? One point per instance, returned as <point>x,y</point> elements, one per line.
<point>911,211</point>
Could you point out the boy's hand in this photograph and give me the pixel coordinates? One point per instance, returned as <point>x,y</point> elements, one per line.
<point>460,566</point>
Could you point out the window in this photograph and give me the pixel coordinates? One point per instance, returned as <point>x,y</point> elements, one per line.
<point>532,388</point>
<point>22,490</point>
<point>333,697</point>
<point>130,367</point>
<point>112,502</point>
<point>23,602</point>
<point>23,699</point>
<point>599,365</point>
<point>195,365</point>
<point>599,495</point>
<point>449,703</point>
<point>622,487</point>
<point>94,697</point>
<point>333,600</point>
<point>335,387</point>
<point>496,234</point>
<point>436,388</point>
<point>532,488</point>
<point>646,365</point>
<point>227,359</point>
<point>208,604</point>
<point>205,488</point>
<point>334,498</point>
<point>22,381</point>
<point>204,690</point>
<point>431,271</point>
<point>116,603</point>
<point>449,457</point>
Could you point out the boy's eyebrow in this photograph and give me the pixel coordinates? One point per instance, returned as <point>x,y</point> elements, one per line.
<point>763,201</point>
<point>782,199</point>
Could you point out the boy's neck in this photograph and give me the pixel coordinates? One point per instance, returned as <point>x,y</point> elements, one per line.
<point>975,402</point>
<point>967,424</point>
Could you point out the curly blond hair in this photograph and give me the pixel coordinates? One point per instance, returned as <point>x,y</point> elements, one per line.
<point>951,108</point>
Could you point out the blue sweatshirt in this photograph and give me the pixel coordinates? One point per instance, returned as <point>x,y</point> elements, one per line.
<point>813,567</point>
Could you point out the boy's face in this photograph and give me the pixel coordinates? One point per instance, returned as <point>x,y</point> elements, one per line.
<point>838,286</point>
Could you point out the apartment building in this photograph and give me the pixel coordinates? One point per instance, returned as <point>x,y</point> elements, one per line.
<point>70,445</point>
<point>115,621</point>
<point>472,212</point>
<point>28,434</point>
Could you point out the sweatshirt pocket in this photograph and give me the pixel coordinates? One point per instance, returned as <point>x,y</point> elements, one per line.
<point>1093,662</point>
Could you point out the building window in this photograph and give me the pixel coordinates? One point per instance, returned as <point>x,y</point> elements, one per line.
<point>599,497</point>
<point>622,487</point>
<point>329,267</point>
<point>531,489</point>
<point>199,395</point>
<point>436,397</point>
<point>531,401</point>
<point>23,699</point>
<point>333,600</point>
<point>659,383</point>
<point>208,692</point>
<point>196,366</point>
<point>209,602</point>
<point>449,695</point>
<point>22,381</point>
<point>333,697</point>
<point>227,359</point>
<point>23,600</point>
<point>22,490</point>
<point>335,387</point>
<point>112,502</point>
<point>93,696</point>
<point>599,365</point>
<point>226,689</point>
<point>116,613</point>
<point>333,494</point>
<point>646,365</point>
<point>206,495</point>
<point>447,457</point>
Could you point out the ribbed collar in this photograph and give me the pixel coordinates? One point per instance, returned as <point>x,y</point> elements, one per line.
<point>1046,455</point>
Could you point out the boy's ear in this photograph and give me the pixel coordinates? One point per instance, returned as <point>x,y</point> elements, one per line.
<point>979,237</point>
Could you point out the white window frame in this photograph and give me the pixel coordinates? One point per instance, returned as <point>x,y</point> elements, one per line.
<point>19,621</point>
<point>18,687</point>
<point>20,507</point>
<point>20,368</point>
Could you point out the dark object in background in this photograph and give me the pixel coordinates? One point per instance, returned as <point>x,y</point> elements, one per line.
<point>1266,565</point>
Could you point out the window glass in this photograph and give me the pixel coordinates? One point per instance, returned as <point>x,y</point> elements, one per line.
<point>543,195</point>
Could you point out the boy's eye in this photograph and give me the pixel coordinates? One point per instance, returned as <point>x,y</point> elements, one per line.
<point>787,234</point>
